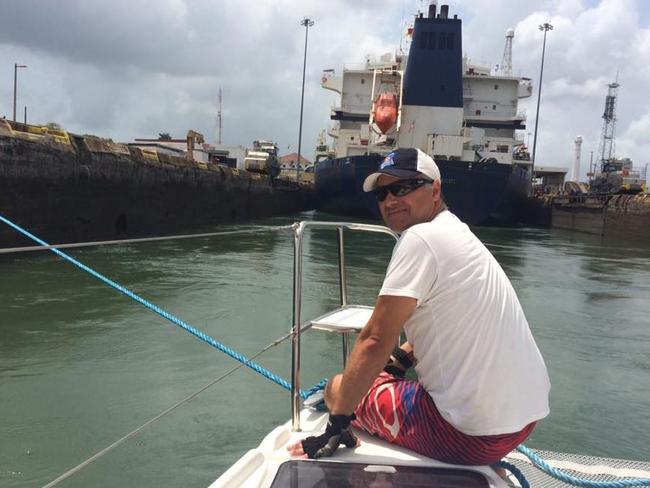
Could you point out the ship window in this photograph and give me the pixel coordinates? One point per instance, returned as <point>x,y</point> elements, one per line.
<point>423,40</point>
<point>432,40</point>
<point>494,107</point>
<point>450,40</point>
<point>502,148</point>
<point>441,40</point>
<point>363,80</point>
<point>496,87</point>
<point>478,112</point>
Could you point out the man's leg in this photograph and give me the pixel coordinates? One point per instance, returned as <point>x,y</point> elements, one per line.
<point>332,389</point>
<point>402,412</point>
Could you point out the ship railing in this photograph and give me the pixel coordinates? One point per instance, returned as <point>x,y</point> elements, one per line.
<point>345,320</point>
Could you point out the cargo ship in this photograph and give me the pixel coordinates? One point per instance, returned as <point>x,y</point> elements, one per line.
<point>463,115</point>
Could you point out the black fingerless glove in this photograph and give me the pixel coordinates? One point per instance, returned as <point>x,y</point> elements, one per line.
<point>400,357</point>
<point>337,432</point>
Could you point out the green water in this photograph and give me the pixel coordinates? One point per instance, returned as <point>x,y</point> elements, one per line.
<point>81,365</point>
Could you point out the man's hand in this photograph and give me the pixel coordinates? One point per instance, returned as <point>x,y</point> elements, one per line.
<point>337,432</point>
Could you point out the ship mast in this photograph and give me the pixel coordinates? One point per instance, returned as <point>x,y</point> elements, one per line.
<point>506,61</point>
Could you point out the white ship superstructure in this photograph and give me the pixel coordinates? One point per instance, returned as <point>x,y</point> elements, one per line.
<point>354,131</point>
<point>484,129</point>
<point>492,115</point>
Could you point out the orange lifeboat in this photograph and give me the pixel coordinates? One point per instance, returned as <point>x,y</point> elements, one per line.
<point>385,114</point>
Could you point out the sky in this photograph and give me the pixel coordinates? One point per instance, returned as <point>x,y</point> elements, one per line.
<point>126,69</point>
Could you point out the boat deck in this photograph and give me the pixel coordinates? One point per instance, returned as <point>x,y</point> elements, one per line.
<point>259,466</point>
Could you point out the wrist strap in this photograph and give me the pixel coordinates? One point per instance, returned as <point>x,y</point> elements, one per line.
<point>402,357</point>
<point>338,423</point>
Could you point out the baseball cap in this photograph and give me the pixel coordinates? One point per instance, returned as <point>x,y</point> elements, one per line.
<point>404,163</point>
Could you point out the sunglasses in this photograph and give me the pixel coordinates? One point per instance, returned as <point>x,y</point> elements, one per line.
<point>399,188</point>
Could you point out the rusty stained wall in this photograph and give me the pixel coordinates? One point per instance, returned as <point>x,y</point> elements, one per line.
<point>580,219</point>
<point>84,195</point>
<point>628,216</point>
<point>622,216</point>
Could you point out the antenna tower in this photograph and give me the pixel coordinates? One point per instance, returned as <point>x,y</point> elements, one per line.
<point>219,119</point>
<point>506,62</point>
<point>606,149</point>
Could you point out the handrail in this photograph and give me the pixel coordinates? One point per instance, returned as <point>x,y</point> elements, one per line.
<point>299,230</point>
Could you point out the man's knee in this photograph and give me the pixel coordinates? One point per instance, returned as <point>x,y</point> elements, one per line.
<point>332,389</point>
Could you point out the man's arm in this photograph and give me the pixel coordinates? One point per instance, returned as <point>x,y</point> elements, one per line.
<point>370,353</point>
<point>344,392</point>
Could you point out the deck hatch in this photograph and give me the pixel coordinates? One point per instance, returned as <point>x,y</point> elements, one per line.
<point>322,474</point>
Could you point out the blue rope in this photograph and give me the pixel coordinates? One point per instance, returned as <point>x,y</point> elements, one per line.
<point>173,319</point>
<point>557,474</point>
<point>516,472</point>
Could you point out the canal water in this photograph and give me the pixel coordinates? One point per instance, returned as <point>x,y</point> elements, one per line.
<point>82,365</point>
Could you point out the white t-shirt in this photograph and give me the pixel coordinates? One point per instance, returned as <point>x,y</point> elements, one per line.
<point>475,352</point>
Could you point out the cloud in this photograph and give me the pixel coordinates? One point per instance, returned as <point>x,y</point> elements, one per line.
<point>634,138</point>
<point>132,68</point>
<point>564,87</point>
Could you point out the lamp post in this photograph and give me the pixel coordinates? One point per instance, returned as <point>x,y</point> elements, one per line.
<point>16,66</point>
<point>544,27</point>
<point>307,23</point>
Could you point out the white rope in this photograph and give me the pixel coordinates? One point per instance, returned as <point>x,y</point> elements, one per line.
<point>9,250</point>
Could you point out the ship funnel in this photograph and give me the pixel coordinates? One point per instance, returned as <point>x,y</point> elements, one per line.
<point>432,10</point>
<point>444,11</point>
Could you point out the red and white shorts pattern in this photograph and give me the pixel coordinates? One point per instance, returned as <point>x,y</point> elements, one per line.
<point>403,413</point>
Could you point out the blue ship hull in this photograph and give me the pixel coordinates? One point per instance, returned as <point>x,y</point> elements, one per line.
<point>478,193</point>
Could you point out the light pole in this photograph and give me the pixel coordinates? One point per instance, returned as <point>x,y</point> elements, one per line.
<point>16,66</point>
<point>544,27</point>
<point>307,23</point>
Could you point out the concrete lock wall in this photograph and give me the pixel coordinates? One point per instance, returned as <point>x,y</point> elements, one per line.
<point>617,216</point>
<point>95,189</point>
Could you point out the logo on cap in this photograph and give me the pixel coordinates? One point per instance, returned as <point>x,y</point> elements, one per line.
<point>388,161</point>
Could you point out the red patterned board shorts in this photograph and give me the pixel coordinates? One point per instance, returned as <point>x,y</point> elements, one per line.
<point>403,413</point>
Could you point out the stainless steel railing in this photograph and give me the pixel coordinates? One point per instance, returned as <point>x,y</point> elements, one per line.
<point>299,229</point>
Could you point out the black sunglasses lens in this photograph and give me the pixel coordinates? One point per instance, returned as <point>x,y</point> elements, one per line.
<point>381,193</point>
<point>398,189</point>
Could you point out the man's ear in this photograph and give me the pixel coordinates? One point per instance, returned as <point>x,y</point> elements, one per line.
<point>436,188</point>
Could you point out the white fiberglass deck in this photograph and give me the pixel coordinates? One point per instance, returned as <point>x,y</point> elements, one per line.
<point>258,467</point>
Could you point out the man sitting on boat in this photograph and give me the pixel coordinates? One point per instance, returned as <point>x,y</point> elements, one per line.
<point>482,383</point>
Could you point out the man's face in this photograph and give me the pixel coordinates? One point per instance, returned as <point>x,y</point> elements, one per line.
<point>416,207</point>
